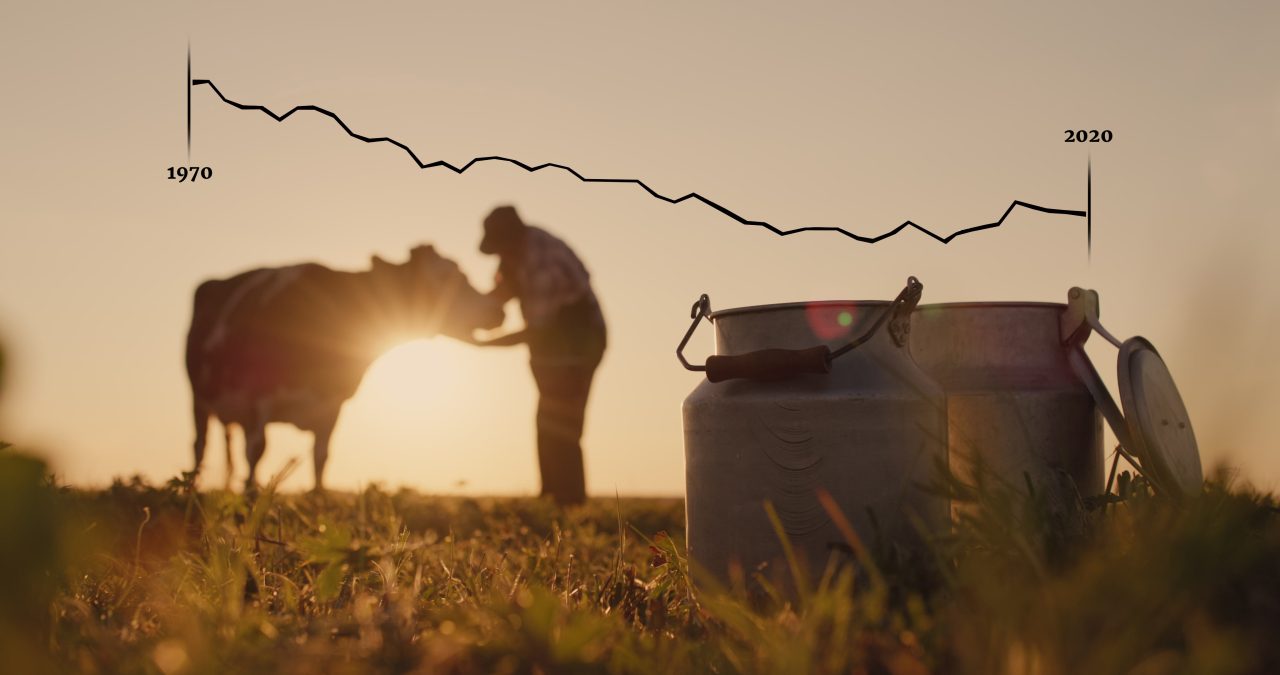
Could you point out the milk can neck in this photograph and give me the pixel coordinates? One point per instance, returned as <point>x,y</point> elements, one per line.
<point>800,326</point>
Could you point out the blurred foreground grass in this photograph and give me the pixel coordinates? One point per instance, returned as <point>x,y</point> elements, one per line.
<point>162,579</point>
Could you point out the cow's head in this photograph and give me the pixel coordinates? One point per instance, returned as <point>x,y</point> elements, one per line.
<point>430,295</point>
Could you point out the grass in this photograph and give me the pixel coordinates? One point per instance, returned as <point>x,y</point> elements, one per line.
<point>164,579</point>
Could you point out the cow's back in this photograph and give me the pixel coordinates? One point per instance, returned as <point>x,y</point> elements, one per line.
<point>274,334</point>
<point>240,326</point>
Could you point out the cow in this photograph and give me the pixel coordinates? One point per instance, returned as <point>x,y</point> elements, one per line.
<point>291,344</point>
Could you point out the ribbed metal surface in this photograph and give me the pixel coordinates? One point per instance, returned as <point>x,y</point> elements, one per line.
<point>869,433</point>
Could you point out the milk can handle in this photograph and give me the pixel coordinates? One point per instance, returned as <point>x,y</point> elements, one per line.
<point>897,314</point>
<point>701,308</point>
<point>779,364</point>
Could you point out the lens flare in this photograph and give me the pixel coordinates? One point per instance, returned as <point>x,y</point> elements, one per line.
<point>829,322</point>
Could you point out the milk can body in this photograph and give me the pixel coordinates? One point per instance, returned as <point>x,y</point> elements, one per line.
<point>1012,398</point>
<point>870,433</point>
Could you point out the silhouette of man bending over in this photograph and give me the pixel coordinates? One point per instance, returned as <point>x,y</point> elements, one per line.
<point>565,331</point>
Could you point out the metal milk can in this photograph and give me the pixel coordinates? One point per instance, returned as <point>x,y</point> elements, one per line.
<point>802,399</point>
<point>1013,400</point>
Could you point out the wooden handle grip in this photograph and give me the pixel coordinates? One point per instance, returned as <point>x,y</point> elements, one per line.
<point>770,364</point>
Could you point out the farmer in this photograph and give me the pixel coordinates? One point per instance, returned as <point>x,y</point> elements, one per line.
<point>565,332</point>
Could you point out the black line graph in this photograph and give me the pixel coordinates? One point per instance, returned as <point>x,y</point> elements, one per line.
<point>694,196</point>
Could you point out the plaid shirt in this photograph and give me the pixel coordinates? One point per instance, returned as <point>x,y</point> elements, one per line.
<point>548,277</point>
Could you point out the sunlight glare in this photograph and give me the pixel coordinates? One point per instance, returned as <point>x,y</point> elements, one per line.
<point>442,416</point>
<point>414,374</point>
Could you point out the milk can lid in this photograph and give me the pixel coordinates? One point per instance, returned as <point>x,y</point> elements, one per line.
<point>1157,419</point>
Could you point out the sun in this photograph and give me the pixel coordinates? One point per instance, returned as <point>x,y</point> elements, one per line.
<point>442,416</point>
<point>412,374</point>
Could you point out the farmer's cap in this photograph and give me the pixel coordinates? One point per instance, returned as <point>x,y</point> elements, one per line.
<point>501,227</point>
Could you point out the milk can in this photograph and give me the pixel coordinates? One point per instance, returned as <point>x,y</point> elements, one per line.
<point>1013,400</point>
<point>802,399</point>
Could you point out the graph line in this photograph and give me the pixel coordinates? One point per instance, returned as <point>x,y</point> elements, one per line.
<point>692,196</point>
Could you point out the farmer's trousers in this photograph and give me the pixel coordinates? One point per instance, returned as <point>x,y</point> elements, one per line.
<point>564,361</point>
<point>562,406</point>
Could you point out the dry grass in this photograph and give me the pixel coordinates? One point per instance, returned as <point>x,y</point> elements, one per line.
<point>163,579</point>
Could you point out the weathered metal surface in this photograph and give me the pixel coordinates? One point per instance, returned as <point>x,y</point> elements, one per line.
<point>870,433</point>
<point>1154,430</point>
<point>1158,420</point>
<point>1012,398</point>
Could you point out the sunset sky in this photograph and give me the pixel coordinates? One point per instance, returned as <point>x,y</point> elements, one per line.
<point>861,116</point>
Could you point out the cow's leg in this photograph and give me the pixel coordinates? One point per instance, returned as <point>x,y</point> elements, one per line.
<point>255,444</point>
<point>320,452</point>
<point>201,412</point>
<point>226,436</point>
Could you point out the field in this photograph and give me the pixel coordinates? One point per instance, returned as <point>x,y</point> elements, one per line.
<point>165,579</point>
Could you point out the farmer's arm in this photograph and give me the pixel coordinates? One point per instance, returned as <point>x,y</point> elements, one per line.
<point>508,340</point>
<point>503,290</point>
<point>540,300</point>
